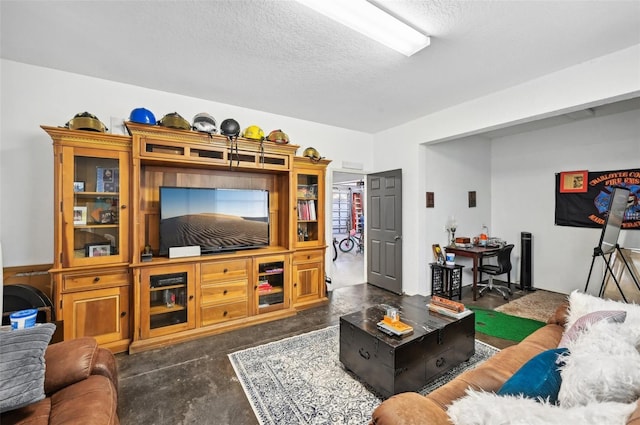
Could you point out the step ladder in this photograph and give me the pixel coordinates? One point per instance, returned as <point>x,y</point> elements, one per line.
<point>356,212</point>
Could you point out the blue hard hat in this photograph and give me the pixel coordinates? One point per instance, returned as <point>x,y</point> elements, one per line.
<point>142,116</point>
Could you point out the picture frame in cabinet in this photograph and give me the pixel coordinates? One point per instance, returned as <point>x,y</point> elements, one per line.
<point>78,186</point>
<point>101,249</point>
<point>107,179</point>
<point>79,216</point>
<point>106,217</point>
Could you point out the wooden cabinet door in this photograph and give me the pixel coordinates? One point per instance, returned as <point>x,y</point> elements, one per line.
<point>271,283</point>
<point>91,213</point>
<point>102,314</point>
<point>307,202</point>
<point>167,300</point>
<point>308,277</point>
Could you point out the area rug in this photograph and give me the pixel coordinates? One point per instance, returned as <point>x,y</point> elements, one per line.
<point>505,326</point>
<point>300,380</point>
<point>538,305</point>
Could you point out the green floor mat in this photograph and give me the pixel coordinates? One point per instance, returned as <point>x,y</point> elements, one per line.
<point>505,326</point>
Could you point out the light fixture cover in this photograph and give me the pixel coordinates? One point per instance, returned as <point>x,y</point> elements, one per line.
<point>369,20</point>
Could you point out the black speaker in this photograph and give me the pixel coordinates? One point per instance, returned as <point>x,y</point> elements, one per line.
<point>526,261</point>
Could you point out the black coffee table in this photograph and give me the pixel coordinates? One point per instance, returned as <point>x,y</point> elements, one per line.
<point>391,364</point>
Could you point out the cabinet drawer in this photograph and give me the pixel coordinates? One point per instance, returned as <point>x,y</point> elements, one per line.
<point>89,281</point>
<point>307,256</point>
<point>222,313</point>
<point>224,292</point>
<point>223,270</point>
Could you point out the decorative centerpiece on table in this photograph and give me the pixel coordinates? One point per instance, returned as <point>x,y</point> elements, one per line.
<point>451,227</point>
<point>448,307</point>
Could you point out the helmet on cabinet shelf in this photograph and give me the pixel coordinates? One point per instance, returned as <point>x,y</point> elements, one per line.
<point>142,116</point>
<point>230,128</point>
<point>278,136</point>
<point>253,132</point>
<point>86,121</point>
<point>205,123</point>
<point>174,120</point>
<point>312,154</point>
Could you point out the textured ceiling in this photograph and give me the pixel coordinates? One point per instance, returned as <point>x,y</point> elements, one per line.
<point>280,57</point>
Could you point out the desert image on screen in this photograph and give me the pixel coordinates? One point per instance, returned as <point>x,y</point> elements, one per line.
<point>212,230</point>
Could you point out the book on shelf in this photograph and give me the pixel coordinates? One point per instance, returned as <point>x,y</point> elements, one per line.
<point>307,210</point>
<point>264,286</point>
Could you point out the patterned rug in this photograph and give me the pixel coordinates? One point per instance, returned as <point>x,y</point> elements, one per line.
<point>538,305</point>
<point>300,380</point>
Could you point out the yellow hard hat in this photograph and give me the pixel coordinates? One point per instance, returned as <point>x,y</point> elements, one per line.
<point>312,153</point>
<point>253,132</point>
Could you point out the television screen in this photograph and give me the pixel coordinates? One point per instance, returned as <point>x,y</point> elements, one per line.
<point>217,220</point>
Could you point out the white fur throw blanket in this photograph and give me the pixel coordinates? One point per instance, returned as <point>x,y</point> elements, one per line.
<point>600,377</point>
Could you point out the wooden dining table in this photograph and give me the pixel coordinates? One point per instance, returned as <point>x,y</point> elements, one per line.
<point>476,253</point>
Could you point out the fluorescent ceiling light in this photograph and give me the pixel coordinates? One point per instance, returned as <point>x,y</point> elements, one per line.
<point>367,19</point>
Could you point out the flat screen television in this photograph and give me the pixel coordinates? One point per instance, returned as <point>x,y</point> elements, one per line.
<point>216,220</point>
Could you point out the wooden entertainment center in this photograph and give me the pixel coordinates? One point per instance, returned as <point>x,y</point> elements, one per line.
<point>107,215</point>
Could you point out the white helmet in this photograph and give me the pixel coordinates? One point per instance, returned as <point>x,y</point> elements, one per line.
<point>205,123</point>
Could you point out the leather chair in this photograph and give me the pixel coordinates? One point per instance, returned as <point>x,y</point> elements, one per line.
<point>503,266</point>
<point>81,387</point>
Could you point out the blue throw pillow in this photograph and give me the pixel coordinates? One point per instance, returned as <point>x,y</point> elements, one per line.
<point>538,378</point>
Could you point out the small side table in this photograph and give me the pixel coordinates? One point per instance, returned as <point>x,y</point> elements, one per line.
<point>446,281</point>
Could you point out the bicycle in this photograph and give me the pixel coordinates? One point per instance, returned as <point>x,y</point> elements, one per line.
<point>354,239</point>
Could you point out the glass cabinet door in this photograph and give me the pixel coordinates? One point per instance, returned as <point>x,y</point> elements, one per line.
<point>308,195</point>
<point>167,300</point>
<point>94,203</point>
<point>272,284</point>
<point>307,208</point>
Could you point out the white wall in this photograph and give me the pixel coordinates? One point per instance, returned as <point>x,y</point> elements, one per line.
<point>452,170</point>
<point>34,96</point>
<point>523,187</point>
<point>604,80</point>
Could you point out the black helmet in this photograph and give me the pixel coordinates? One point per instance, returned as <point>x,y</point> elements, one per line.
<point>205,123</point>
<point>86,121</point>
<point>174,120</point>
<point>230,128</point>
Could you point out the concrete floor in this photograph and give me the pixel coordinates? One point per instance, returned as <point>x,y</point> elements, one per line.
<point>194,382</point>
<point>347,269</point>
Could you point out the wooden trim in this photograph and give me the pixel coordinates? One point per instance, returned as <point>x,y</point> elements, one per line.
<point>33,275</point>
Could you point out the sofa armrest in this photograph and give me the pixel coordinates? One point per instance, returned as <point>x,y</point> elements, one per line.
<point>68,362</point>
<point>409,409</point>
<point>106,365</point>
<point>559,317</point>
<point>634,419</point>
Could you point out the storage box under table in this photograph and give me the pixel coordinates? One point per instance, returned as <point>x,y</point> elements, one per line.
<point>391,364</point>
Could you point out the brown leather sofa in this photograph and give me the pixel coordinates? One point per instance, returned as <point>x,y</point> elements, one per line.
<point>80,383</point>
<point>414,409</point>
